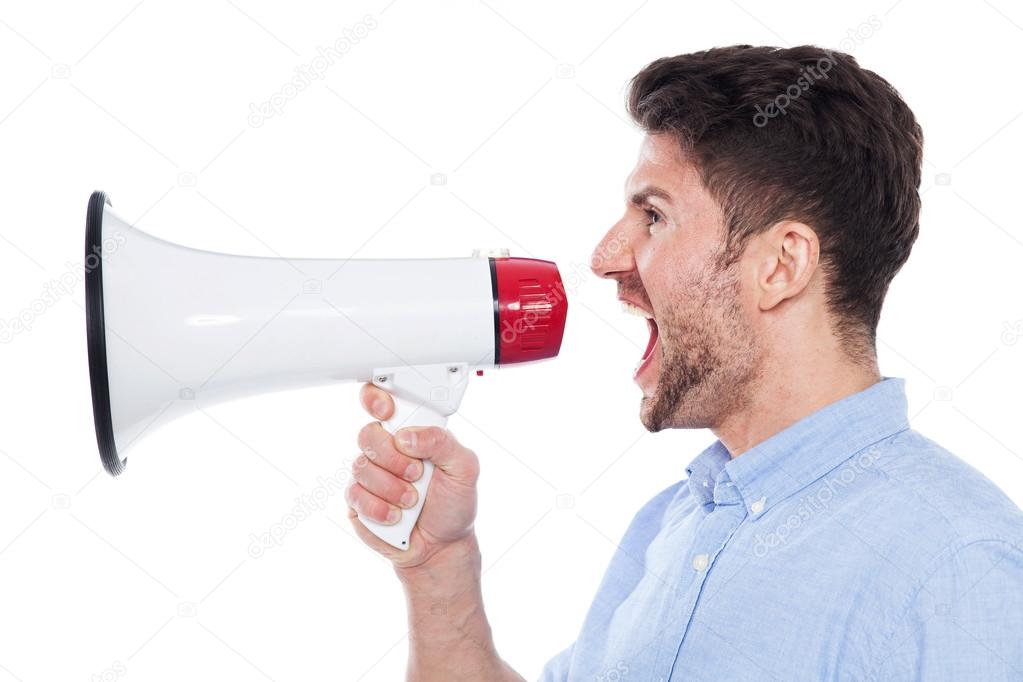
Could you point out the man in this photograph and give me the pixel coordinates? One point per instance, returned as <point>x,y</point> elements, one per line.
<point>774,199</point>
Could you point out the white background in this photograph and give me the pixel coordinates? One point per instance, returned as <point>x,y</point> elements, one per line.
<point>519,107</point>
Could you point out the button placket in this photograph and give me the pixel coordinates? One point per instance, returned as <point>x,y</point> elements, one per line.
<point>717,529</point>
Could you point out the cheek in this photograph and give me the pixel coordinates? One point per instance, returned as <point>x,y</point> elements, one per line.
<point>667,272</point>
<point>656,259</point>
<point>656,275</point>
<point>676,272</point>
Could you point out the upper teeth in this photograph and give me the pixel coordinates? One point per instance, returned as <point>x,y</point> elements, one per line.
<point>635,310</point>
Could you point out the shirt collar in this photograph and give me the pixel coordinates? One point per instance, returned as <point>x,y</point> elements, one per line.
<point>802,453</point>
<point>704,471</point>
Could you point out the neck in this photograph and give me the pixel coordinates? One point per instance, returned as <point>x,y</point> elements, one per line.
<point>789,392</point>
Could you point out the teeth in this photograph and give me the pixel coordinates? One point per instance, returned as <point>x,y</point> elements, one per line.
<point>635,310</point>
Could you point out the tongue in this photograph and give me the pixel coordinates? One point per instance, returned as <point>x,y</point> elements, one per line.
<point>653,340</point>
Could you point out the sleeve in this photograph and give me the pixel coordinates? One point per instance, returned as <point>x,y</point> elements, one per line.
<point>965,621</point>
<point>557,668</point>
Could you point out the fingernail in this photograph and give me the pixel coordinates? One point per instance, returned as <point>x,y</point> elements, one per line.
<point>393,515</point>
<point>377,408</point>
<point>408,499</point>
<point>412,472</point>
<point>407,439</point>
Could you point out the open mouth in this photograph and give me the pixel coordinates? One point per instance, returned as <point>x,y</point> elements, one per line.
<point>651,346</point>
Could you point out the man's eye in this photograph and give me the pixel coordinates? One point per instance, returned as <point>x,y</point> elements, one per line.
<point>652,217</point>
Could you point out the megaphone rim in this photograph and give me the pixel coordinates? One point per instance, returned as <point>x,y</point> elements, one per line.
<point>95,328</point>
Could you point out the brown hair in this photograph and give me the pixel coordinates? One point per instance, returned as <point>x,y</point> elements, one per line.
<point>800,134</point>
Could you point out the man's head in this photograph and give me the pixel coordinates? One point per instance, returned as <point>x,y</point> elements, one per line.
<point>774,200</point>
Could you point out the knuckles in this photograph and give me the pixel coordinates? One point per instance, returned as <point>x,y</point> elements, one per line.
<point>358,470</point>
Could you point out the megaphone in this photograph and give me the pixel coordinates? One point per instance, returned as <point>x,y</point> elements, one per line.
<point>169,325</point>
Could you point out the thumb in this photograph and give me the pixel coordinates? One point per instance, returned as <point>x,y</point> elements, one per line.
<point>440,447</point>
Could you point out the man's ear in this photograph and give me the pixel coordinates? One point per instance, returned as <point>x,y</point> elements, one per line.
<point>787,257</point>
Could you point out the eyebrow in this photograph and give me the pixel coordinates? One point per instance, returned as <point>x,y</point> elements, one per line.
<point>640,197</point>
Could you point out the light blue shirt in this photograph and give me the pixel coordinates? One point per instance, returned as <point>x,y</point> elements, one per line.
<point>845,547</point>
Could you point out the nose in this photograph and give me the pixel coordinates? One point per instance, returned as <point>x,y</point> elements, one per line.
<point>613,254</point>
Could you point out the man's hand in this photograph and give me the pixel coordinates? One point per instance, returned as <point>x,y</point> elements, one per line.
<point>449,636</point>
<point>382,483</point>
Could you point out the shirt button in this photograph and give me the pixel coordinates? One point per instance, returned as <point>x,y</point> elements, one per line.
<point>700,562</point>
<point>758,506</point>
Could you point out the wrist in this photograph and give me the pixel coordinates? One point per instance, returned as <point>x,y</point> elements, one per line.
<point>449,636</point>
<point>452,561</point>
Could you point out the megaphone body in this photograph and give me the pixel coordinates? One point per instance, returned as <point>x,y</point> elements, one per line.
<point>170,327</point>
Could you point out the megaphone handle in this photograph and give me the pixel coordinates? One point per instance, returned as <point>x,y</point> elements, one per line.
<point>407,413</point>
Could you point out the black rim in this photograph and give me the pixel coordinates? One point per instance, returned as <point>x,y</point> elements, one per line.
<point>497,312</point>
<point>97,336</point>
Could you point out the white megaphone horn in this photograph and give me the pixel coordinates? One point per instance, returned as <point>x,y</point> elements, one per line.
<point>168,325</point>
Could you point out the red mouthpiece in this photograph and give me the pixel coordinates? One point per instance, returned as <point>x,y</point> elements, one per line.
<point>532,307</point>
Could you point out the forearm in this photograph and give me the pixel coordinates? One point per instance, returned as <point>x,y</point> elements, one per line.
<point>449,636</point>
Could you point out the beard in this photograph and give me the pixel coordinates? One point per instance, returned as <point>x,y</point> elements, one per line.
<point>709,354</point>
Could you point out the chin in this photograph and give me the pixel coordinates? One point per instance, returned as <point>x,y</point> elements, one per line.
<point>684,412</point>
<point>649,421</point>
<point>648,415</point>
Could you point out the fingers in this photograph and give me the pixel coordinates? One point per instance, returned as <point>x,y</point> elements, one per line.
<point>399,557</point>
<point>383,483</point>
<point>378,446</point>
<point>376,401</point>
<point>442,448</point>
<point>367,537</point>
<point>370,506</point>
<point>382,476</point>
